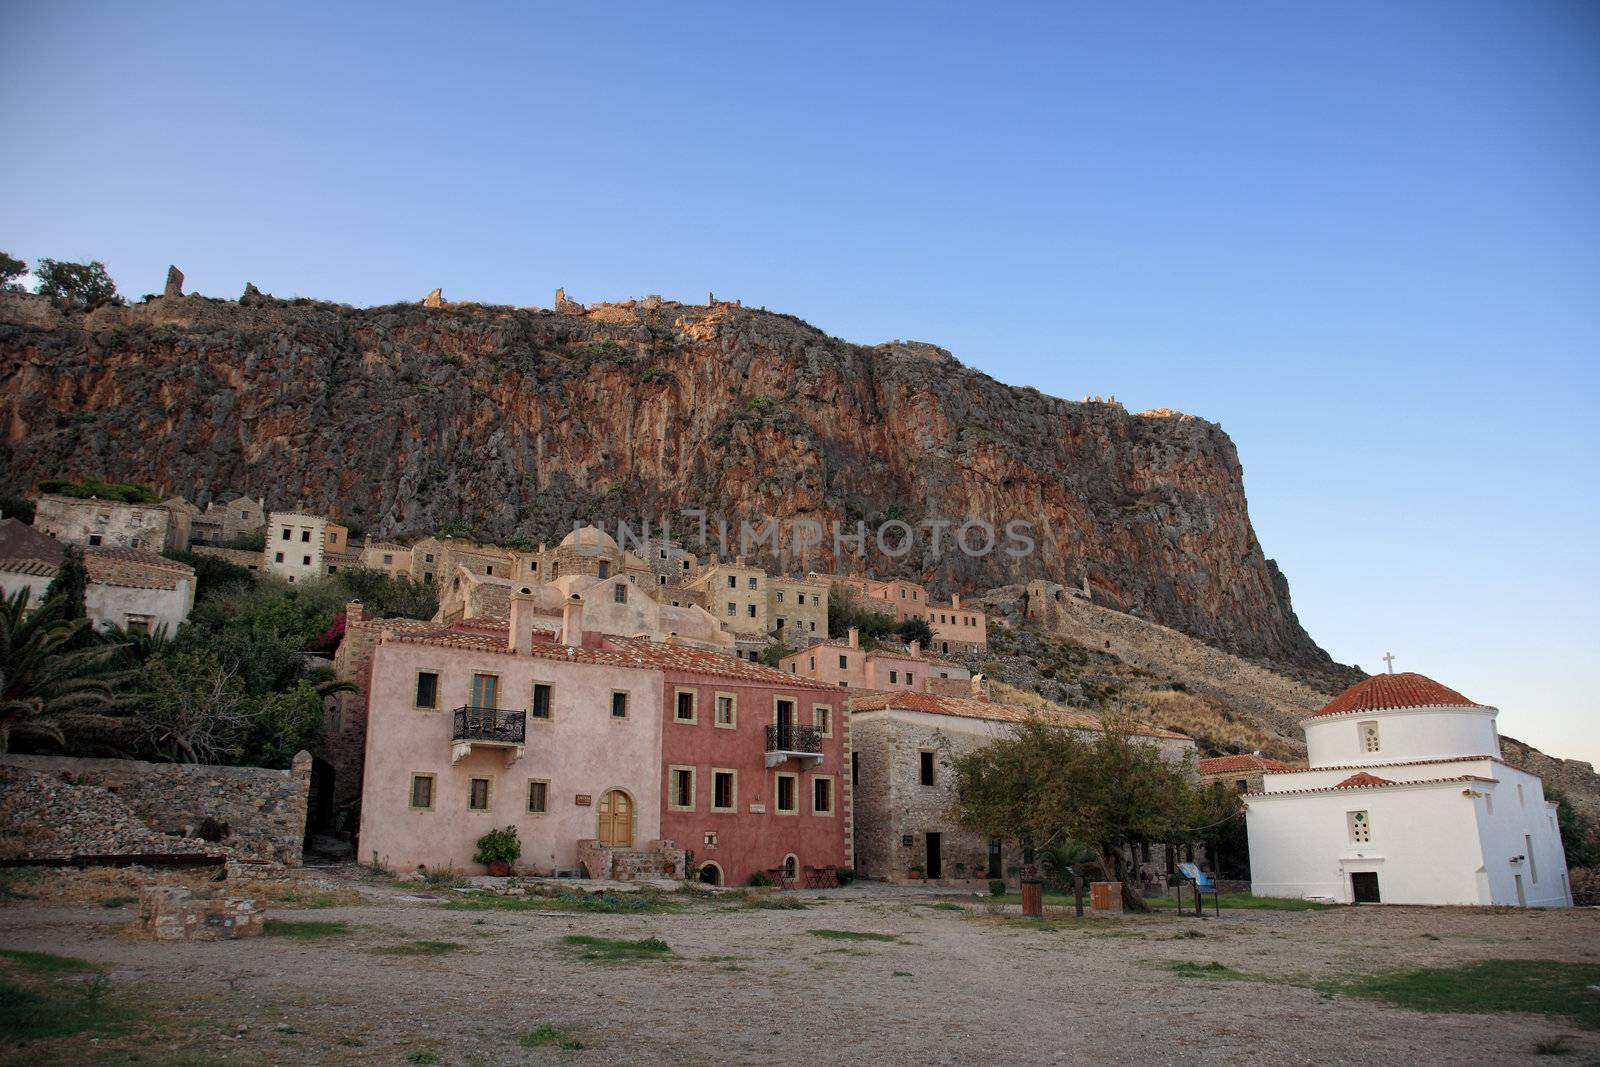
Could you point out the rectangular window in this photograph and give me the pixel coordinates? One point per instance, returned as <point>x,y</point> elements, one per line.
<point>813,663</point>
<point>388,558</point>
<point>1369,737</point>
<point>1527,850</point>
<point>277,557</point>
<point>138,624</point>
<point>542,700</point>
<point>680,788</point>
<point>285,533</point>
<point>784,793</point>
<point>733,609</point>
<point>724,790</point>
<point>822,795</point>
<point>1519,794</point>
<point>752,608</point>
<point>619,705</point>
<point>752,583</point>
<point>478,794</point>
<point>485,691</point>
<point>427,557</point>
<point>422,792</point>
<point>619,593</point>
<point>684,710</point>
<point>926,768</point>
<point>725,710</point>
<point>427,689</point>
<point>733,582</point>
<point>910,678</point>
<point>822,719</point>
<point>844,663</point>
<point>305,535</point>
<point>894,676</point>
<point>1360,828</point>
<point>777,597</point>
<point>538,797</point>
<point>855,768</point>
<point>800,598</point>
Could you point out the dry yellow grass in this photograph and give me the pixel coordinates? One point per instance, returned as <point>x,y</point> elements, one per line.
<point>68,886</point>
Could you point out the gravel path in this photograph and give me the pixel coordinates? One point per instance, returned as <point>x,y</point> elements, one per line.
<point>751,986</point>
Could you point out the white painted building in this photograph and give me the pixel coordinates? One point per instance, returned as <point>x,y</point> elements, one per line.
<point>295,545</point>
<point>1406,801</point>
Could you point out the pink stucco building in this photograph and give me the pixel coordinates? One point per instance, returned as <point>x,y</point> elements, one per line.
<point>846,665</point>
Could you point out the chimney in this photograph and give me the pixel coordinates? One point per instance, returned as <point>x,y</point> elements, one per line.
<point>955,601</point>
<point>915,650</point>
<point>855,637</point>
<point>520,637</point>
<point>572,621</point>
<point>352,614</point>
<point>977,687</point>
<point>738,561</point>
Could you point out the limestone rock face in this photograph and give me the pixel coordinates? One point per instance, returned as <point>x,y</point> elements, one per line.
<point>517,421</point>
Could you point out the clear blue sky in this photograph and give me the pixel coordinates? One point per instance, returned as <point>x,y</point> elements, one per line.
<point>1364,237</point>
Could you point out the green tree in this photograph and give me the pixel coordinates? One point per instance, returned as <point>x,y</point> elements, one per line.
<point>80,285</point>
<point>844,613</point>
<point>16,507</point>
<point>50,690</point>
<point>70,585</point>
<point>914,629</point>
<point>99,488</point>
<point>11,269</point>
<point>1579,836</point>
<point>1107,789</point>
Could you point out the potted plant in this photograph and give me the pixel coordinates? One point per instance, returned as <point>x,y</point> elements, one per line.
<point>916,872</point>
<point>498,850</point>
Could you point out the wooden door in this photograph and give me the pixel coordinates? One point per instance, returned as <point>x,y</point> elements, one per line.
<point>616,820</point>
<point>935,856</point>
<point>485,691</point>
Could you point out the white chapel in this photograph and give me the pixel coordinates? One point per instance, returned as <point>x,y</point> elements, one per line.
<point>1405,801</point>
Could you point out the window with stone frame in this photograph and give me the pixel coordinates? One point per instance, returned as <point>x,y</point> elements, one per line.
<point>619,705</point>
<point>1360,828</point>
<point>538,796</point>
<point>785,789</point>
<point>724,790</point>
<point>822,719</point>
<point>422,792</point>
<point>727,710</point>
<point>619,593</point>
<point>680,788</point>
<point>543,704</point>
<point>925,772</point>
<point>822,794</point>
<point>427,693</point>
<point>684,706</point>
<point>478,794</point>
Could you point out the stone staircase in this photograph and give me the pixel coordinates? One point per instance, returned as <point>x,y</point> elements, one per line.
<point>660,859</point>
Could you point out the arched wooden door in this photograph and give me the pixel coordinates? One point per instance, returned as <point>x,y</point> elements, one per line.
<point>616,820</point>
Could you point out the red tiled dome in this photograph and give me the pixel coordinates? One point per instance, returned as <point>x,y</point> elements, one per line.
<point>1405,690</point>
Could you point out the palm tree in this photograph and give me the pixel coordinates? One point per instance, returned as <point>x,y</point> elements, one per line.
<point>49,686</point>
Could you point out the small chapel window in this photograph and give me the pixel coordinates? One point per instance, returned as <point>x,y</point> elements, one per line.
<point>1369,736</point>
<point>1360,828</point>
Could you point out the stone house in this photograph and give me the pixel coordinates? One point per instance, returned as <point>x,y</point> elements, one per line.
<point>432,558</point>
<point>901,746</point>
<point>955,628</point>
<point>1241,773</point>
<point>95,523</point>
<point>126,587</point>
<point>797,608</point>
<point>295,544</point>
<point>390,557</point>
<point>737,594</point>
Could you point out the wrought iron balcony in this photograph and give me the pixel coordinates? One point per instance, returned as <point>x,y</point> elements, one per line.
<point>786,742</point>
<point>488,726</point>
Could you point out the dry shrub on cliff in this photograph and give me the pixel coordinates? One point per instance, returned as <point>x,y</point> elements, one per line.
<point>1215,729</point>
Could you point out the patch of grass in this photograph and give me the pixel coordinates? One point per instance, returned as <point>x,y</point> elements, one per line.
<point>946,906</point>
<point>1560,1045</point>
<point>1429,937</point>
<point>901,974</point>
<point>1187,934</point>
<point>18,883</point>
<point>1543,987</point>
<point>422,948</point>
<point>117,902</point>
<point>851,935</point>
<point>422,1057</point>
<point>1213,969</point>
<point>1246,902</point>
<point>546,1036</point>
<point>39,1013</point>
<point>590,947</point>
<point>47,962</point>
<point>566,900</point>
<point>769,903</point>
<point>304,929</point>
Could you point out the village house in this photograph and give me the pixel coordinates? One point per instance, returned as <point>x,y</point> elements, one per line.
<point>238,517</point>
<point>390,557</point>
<point>1406,800</point>
<point>797,609</point>
<point>846,665</point>
<point>95,523</point>
<point>138,591</point>
<point>955,628</point>
<point>901,745</point>
<point>754,770</point>
<point>472,727</point>
<point>295,543</point>
<point>736,593</point>
<point>1240,773</point>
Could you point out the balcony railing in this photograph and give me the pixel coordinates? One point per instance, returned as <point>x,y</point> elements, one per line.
<point>490,726</point>
<point>794,739</point>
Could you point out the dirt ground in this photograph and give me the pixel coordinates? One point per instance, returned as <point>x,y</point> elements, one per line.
<point>741,985</point>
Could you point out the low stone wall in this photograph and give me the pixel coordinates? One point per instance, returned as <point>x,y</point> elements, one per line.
<point>65,803</point>
<point>172,913</point>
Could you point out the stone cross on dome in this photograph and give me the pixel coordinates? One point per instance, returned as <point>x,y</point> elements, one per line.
<point>1388,657</point>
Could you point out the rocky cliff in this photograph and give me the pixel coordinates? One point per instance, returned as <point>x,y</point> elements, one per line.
<point>516,421</point>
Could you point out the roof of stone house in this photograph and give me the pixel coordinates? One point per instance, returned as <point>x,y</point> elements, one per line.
<point>1368,781</point>
<point>486,634</point>
<point>968,708</point>
<point>881,650</point>
<point>388,546</point>
<point>96,502</point>
<point>37,567</point>
<point>784,579</point>
<point>275,515</point>
<point>18,540</point>
<point>1242,764</point>
<point>348,559</point>
<point>134,568</point>
<point>1385,692</point>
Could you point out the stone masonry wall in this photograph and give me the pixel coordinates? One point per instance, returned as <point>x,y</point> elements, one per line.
<point>265,810</point>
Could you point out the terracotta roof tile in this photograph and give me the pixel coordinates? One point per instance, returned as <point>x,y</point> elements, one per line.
<point>134,568</point>
<point>1383,692</point>
<point>18,540</point>
<point>1360,781</point>
<point>1242,764</point>
<point>967,708</point>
